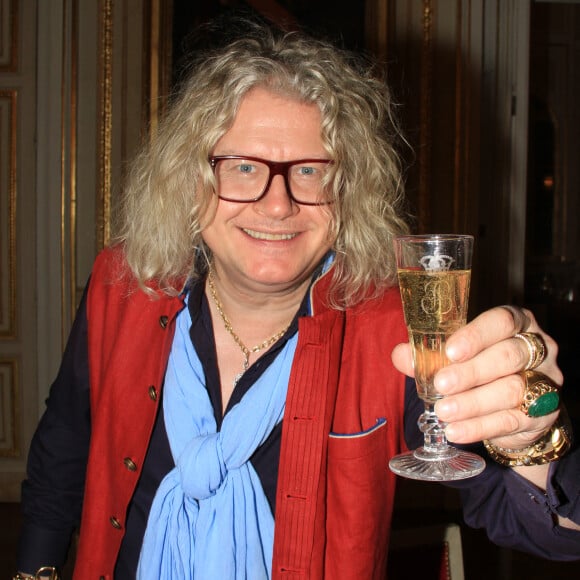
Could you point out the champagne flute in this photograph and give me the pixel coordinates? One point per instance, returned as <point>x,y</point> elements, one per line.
<point>434,275</point>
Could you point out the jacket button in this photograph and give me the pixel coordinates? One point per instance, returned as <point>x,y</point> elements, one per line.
<point>163,321</point>
<point>115,522</point>
<point>130,464</point>
<point>153,393</point>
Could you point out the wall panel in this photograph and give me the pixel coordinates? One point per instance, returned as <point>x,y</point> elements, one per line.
<point>8,113</point>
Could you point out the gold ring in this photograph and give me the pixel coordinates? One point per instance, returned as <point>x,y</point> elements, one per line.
<point>541,395</point>
<point>536,349</point>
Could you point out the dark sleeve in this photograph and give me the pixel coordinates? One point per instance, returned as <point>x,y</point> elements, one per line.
<point>52,493</point>
<point>514,512</point>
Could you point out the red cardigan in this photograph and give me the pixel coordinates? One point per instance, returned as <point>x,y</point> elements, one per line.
<point>335,492</point>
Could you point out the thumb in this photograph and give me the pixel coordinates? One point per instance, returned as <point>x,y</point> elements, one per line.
<point>402,358</point>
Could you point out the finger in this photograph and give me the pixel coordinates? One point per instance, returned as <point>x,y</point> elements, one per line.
<point>522,318</point>
<point>531,430</point>
<point>500,359</point>
<point>505,358</point>
<point>488,328</point>
<point>402,358</point>
<point>510,428</point>
<point>497,361</point>
<point>504,394</point>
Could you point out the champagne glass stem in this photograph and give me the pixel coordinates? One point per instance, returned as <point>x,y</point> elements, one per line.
<point>435,440</point>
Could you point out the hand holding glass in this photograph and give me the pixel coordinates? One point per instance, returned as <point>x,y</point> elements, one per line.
<point>434,275</point>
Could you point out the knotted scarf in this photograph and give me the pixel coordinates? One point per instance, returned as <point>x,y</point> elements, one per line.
<point>210,518</point>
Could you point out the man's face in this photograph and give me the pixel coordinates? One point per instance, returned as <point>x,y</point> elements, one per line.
<point>273,244</point>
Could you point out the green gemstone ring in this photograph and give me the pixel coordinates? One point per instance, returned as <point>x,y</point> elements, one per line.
<point>541,395</point>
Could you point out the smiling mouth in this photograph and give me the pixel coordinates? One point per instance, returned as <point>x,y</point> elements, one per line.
<point>270,237</point>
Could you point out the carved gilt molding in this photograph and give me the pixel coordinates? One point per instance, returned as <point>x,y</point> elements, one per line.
<point>8,118</point>
<point>105,122</point>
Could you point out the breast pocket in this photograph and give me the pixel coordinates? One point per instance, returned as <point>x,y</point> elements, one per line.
<point>357,462</point>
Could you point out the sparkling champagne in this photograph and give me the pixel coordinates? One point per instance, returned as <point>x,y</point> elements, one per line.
<point>435,306</point>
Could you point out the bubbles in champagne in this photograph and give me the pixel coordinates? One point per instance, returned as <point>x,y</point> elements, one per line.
<point>428,356</point>
<point>435,306</point>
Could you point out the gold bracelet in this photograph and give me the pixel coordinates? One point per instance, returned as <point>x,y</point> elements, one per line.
<point>46,572</point>
<point>549,447</point>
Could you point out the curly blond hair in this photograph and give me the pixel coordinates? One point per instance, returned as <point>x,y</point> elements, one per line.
<point>170,190</point>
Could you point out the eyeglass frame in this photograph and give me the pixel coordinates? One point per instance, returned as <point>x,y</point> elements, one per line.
<point>275,168</point>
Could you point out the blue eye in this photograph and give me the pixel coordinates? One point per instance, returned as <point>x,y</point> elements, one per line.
<point>246,168</point>
<point>306,170</point>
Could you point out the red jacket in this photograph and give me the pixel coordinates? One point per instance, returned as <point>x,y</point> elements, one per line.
<point>335,491</point>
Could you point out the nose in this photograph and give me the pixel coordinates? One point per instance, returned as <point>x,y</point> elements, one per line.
<point>276,200</point>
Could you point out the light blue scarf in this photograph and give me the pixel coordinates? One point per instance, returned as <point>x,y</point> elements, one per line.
<point>210,518</point>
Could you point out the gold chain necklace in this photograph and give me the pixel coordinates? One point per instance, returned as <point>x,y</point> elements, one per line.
<point>228,326</point>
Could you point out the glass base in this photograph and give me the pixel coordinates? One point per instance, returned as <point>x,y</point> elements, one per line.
<point>449,465</point>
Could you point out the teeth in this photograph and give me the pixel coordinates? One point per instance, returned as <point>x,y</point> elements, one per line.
<point>271,237</point>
